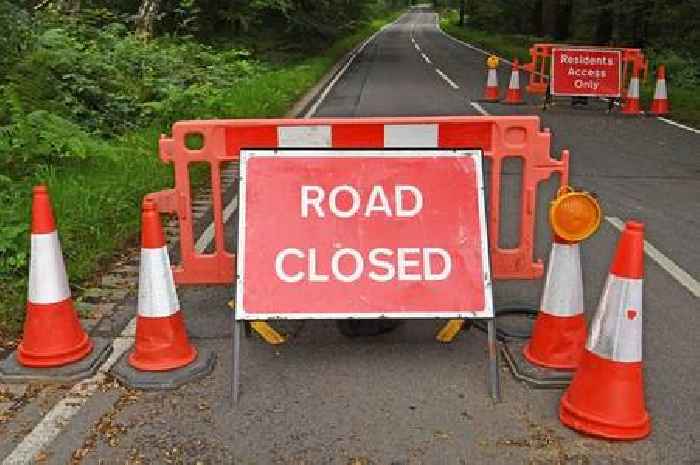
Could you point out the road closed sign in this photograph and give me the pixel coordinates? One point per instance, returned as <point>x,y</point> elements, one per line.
<point>586,72</point>
<point>362,234</point>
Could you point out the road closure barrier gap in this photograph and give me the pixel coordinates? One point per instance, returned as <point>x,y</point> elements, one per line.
<point>499,137</point>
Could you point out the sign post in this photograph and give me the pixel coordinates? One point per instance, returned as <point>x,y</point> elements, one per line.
<point>338,234</point>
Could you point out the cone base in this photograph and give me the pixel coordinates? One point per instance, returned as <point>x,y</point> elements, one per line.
<point>53,336</point>
<point>606,399</point>
<point>659,109</point>
<point>161,344</point>
<point>557,342</point>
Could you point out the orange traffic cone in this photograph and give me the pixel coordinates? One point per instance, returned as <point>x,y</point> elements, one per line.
<point>659,106</point>
<point>606,396</point>
<point>491,91</point>
<point>161,337</point>
<point>52,332</point>
<point>631,104</point>
<point>514,95</point>
<point>559,333</point>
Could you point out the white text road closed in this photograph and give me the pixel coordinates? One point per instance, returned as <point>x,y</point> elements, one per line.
<point>362,234</point>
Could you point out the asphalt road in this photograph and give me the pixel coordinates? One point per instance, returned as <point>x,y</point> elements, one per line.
<point>402,398</point>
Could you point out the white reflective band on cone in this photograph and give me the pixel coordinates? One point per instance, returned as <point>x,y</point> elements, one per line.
<point>492,79</point>
<point>514,80</point>
<point>157,296</point>
<point>634,88</point>
<point>411,135</point>
<point>304,136</point>
<point>563,287</point>
<point>616,329</point>
<point>660,92</point>
<point>48,282</point>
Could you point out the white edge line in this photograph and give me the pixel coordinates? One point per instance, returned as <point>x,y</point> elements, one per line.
<point>446,78</point>
<point>208,234</point>
<point>342,71</point>
<point>678,273</point>
<point>479,108</point>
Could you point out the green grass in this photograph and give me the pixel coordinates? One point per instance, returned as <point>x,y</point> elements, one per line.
<point>97,198</point>
<point>684,101</point>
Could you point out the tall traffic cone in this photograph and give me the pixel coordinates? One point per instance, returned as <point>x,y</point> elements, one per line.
<point>631,103</point>
<point>491,91</point>
<point>52,333</point>
<point>659,106</point>
<point>559,333</point>
<point>606,396</point>
<point>514,95</point>
<point>161,337</point>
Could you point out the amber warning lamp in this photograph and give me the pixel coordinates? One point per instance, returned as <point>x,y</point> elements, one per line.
<point>574,215</point>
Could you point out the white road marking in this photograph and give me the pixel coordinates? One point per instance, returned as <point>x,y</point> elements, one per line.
<point>60,415</point>
<point>208,234</point>
<point>678,125</point>
<point>446,78</point>
<point>479,108</point>
<point>415,44</point>
<point>678,273</point>
<point>425,57</point>
<point>339,74</point>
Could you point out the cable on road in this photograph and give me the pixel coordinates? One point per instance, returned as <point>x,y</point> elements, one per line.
<point>504,334</point>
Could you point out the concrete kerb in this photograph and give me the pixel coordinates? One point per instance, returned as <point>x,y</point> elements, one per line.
<point>12,372</point>
<point>202,366</point>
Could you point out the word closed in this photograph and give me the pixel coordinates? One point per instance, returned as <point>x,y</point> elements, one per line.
<point>586,72</point>
<point>357,234</point>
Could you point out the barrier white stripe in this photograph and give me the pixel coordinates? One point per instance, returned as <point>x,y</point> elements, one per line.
<point>410,135</point>
<point>492,79</point>
<point>157,295</point>
<point>48,282</point>
<point>616,329</point>
<point>563,288</point>
<point>304,136</point>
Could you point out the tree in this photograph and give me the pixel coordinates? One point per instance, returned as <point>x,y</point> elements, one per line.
<point>146,17</point>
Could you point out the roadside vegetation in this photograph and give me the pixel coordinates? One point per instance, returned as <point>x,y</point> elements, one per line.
<point>667,31</point>
<point>87,87</point>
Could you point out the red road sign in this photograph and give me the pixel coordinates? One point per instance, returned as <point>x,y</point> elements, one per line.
<point>362,234</point>
<point>586,72</point>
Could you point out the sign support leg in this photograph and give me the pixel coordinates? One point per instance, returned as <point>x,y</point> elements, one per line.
<point>494,374</point>
<point>235,359</point>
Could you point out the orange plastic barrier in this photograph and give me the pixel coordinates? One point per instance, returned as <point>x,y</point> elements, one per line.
<point>499,137</point>
<point>541,55</point>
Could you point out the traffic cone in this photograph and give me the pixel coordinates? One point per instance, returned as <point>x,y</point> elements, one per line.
<point>52,333</point>
<point>491,91</point>
<point>659,106</point>
<point>559,333</point>
<point>631,104</point>
<point>161,337</point>
<point>606,396</point>
<point>514,95</point>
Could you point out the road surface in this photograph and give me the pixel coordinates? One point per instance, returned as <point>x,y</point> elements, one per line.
<point>402,398</point>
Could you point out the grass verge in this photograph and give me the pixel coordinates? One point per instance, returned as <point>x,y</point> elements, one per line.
<point>97,198</point>
<point>685,102</point>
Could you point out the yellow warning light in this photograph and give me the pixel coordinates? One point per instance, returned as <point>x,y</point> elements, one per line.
<point>492,62</point>
<point>574,215</point>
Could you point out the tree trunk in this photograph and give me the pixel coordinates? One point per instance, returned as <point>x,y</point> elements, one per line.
<point>146,17</point>
<point>461,12</point>
<point>549,17</point>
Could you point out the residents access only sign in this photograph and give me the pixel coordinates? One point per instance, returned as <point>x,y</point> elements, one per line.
<point>362,234</point>
<point>586,72</point>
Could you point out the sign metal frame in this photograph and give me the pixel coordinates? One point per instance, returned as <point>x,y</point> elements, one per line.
<point>586,49</point>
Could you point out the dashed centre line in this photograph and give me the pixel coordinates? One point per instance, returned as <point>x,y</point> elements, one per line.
<point>425,57</point>
<point>446,78</point>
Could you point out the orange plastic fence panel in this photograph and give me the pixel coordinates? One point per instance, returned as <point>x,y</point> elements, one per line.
<point>498,136</point>
<point>541,56</point>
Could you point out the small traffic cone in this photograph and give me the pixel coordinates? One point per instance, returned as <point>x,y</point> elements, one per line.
<point>52,333</point>
<point>659,106</point>
<point>606,396</point>
<point>559,333</point>
<point>631,104</point>
<point>491,91</point>
<point>161,337</point>
<point>514,95</point>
